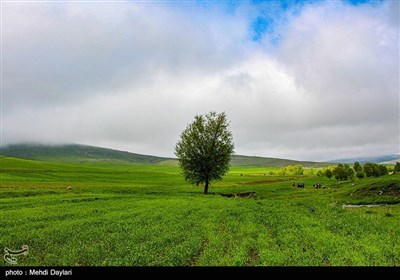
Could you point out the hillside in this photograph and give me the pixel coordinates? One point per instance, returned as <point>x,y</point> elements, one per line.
<point>383,159</point>
<point>239,160</point>
<point>74,153</point>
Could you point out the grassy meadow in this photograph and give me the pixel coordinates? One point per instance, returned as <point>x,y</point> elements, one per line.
<point>147,215</point>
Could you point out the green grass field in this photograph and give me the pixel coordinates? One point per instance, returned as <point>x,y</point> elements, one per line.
<point>147,215</point>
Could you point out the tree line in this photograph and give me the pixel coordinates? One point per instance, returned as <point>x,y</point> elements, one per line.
<point>344,172</point>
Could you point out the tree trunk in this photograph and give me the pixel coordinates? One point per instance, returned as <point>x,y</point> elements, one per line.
<point>206,187</point>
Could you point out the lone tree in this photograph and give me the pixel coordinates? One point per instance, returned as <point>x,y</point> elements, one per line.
<point>205,149</point>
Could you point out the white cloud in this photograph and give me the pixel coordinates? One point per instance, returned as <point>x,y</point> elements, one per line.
<point>131,76</point>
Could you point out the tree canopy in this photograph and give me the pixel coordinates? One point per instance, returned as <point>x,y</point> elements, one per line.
<point>375,170</point>
<point>205,149</point>
<point>397,168</point>
<point>357,166</point>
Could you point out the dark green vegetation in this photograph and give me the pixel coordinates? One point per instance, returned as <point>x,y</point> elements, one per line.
<point>343,172</point>
<point>205,149</point>
<point>147,215</point>
<point>376,170</point>
<point>397,168</point>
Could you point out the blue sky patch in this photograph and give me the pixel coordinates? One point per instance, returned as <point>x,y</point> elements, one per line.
<point>272,15</point>
<point>260,26</point>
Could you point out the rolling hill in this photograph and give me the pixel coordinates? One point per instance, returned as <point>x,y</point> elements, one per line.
<point>383,159</point>
<point>239,160</point>
<point>75,153</point>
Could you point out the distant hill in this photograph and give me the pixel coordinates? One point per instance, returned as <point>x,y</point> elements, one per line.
<point>384,159</point>
<point>239,160</point>
<point>74,153</point>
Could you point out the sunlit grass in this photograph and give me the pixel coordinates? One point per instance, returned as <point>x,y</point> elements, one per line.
<point>147,215</point>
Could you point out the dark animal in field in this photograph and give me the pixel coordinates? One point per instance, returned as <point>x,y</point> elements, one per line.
<point>300,185</point>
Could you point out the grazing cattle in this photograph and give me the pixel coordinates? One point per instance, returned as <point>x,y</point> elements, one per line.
<point>300,185</point>
<point>69,188</point>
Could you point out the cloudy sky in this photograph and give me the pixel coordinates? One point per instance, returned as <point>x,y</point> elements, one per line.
<point>311,80</point>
